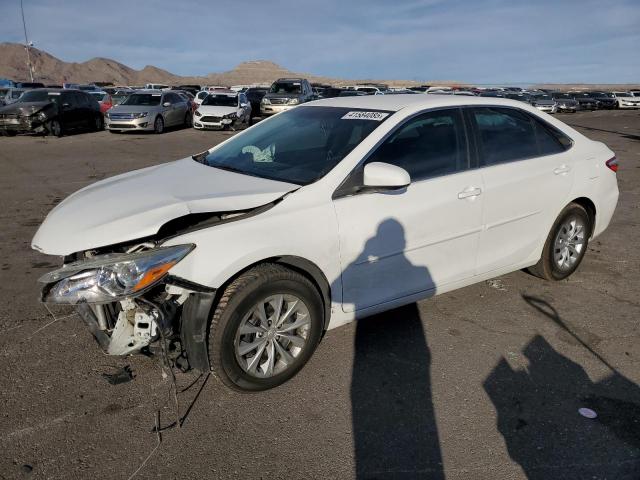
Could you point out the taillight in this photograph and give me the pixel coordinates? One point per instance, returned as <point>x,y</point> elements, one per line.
<point>612,163</point>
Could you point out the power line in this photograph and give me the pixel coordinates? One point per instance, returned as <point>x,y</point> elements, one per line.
<point>26,43</point>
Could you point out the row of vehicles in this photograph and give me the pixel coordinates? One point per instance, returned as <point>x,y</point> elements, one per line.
<point>156,107</point>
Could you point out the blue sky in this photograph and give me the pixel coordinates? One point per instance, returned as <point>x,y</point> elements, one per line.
<point>483,41</point>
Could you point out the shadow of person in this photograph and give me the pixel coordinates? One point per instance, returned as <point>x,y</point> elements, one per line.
<point>538,414</point>
<point>394,426</point>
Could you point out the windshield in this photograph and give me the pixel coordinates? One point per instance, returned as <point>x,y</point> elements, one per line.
<point>297,146</point>
<point>221,101</point>
<point>99,96</point>
<point>563,95</point>
<point>285,87</point>
<point>202,95</point>
<point>16,93</point>
<point>40,96</point>
<point>143,99</point>
<point>118,98</point>
<point>623,94</point>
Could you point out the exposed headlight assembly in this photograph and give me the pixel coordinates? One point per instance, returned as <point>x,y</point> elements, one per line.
<point>293,101</point>
<point>265,101</point>
<point>111,277</point>
<point>230,115</point>
<point>42,116</point>
<point>197,113</point>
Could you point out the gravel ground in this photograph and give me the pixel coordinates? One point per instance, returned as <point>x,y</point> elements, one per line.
<point>483,382</point>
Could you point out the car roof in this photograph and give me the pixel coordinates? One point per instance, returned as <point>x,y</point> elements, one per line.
<point>397,102</point>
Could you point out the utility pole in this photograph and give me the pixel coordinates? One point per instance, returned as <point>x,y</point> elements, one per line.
<point>26,43</point>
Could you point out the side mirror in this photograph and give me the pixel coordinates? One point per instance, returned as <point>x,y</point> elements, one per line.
<point>65,105</point>
<point>384,176</point>
<point>166,104</point>
<point>243,105</point>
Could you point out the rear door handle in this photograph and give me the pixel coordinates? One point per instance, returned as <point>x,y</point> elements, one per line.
<point>469,192</point>
<point>562,169</point>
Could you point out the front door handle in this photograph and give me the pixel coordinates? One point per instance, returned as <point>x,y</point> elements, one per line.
<point>562,169</point>
<point>469,192</point>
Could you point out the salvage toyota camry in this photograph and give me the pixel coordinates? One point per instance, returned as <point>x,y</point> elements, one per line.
<point>240,257</point>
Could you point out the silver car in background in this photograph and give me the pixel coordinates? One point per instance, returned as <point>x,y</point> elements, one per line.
<point>149,110</point>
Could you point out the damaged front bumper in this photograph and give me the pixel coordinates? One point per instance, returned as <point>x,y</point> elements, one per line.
<point>130,303</point>
<point>22,124</point>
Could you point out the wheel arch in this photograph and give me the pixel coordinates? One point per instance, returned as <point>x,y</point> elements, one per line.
<point>590,207</point>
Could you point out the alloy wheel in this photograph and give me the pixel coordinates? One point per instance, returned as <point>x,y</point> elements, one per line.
<point>272,335</point>
<point>569,243</point>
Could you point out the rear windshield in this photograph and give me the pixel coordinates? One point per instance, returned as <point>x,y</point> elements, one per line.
<point>285,87</point>
<point>297,146</point>
<point>143,99</point>
<point>221,101</point>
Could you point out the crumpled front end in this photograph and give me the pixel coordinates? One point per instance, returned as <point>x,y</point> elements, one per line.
<point>130,302</point>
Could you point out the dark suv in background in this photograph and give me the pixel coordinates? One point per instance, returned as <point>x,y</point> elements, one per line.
<point>51,111</point>
<point>255,95</point>
<point>605,100</point>
<point>585,100</point>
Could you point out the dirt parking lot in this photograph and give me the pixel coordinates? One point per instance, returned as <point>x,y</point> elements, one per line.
<point>481,383</point>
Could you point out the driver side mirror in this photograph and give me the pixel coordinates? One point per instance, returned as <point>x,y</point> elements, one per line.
<point>65,106</point>
<point>384,176</point>
<point>166,104</point>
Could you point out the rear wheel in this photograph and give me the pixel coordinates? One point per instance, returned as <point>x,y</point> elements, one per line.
<point>98,123</point>
<point>265,327</point>
<point>566,244</point>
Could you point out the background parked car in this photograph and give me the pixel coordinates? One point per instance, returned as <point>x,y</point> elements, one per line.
<point>585,100</point>
<point>27,85</point>
<point>545,103</point>
<point>626,100</point>
<point>51,111</point>
<point>223,110</point>
<point>254,96</point>
<point>119,96</point>
<point>565,102</point>
<point>200,96</point>
<point>103,99</point>
<point>284,94</point>
<point>606,100</point>
<point>149,110</point>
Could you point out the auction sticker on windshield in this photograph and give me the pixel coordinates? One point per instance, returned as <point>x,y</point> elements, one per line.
<point>358,115</point>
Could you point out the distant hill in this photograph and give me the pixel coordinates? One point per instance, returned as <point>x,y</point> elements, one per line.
<point>52,70</point>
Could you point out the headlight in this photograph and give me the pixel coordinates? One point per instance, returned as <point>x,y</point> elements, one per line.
<point>230,115</point>
<point>110,277</point>
<point>106,114</point>
<point>293,101</point>
<point>197,113</point>
<point>42,116</point>
<point>265,101</point>
<point>140,115</point>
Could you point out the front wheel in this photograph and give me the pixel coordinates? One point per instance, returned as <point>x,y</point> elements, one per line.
<point>566,244</point>
<point>158,125</point>
<point>98,125</point>
<point>188,120</point>
<point>54,128</point>
<point>265,327</point>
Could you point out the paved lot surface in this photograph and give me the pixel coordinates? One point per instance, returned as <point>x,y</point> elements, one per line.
<point>484,382</point>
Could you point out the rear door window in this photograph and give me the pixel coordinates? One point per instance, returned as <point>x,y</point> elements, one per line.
<point>504,135</point>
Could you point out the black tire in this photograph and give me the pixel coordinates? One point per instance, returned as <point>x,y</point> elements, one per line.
<point>114,131</point>
<point>546,267</point>
<point>10,133</point>
<point>98,123</point>
<point>158,125</point>
<point>237,300</point>
<point>55,128</point>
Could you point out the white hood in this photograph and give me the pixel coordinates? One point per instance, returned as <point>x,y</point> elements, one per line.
<point>216,111</point>
<point>138,203</point>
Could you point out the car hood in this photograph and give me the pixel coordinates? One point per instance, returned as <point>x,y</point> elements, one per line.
<point>24,108</point>
<point>136,204</point>
<point>216,111</point>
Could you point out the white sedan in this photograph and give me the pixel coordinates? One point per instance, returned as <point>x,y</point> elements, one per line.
<point>222,110</point>
<point>332,211</point>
